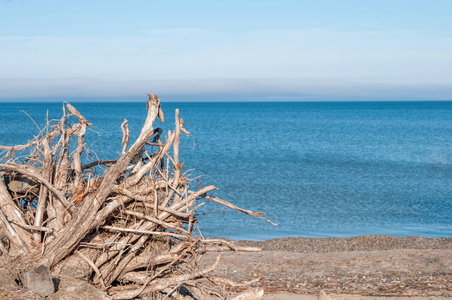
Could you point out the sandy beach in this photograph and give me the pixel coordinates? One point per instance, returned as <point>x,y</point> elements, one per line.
<point>361,266</point>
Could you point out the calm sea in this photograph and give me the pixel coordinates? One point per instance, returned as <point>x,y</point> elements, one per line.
<point>316,169</point>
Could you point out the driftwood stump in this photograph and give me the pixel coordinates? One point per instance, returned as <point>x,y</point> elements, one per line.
<point>129,220</point>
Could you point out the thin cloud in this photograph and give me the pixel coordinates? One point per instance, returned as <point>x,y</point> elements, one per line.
<point>175,31</point>
<point>394,56</point>
<point>25,38</point>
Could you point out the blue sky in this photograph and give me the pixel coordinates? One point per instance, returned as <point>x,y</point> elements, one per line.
<point>226,50</point>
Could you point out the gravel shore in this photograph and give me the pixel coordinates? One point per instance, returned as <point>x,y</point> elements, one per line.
<point>357,243</point>
<point>361,265</point>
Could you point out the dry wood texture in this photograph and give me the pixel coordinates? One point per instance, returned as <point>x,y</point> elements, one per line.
<point>134,214</point>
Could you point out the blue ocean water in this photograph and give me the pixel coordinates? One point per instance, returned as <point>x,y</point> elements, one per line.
<point>317,169</point>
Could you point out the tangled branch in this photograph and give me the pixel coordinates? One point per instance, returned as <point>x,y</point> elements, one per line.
<point>134,214</point>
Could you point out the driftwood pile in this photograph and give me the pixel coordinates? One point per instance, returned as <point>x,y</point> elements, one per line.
<point>129,219</point>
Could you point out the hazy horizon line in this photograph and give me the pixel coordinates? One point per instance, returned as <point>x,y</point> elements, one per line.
<point>214,90</point>
<point>109,100</point>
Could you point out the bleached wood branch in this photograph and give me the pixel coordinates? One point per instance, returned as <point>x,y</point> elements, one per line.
<point>248,212</point>
<point>161,284</point>
<point>39,178</point>
<point>34,228</point>
<point>12,234</point>
<point>42,199</point>
<point>136,231</point>
<point>93,266</point>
